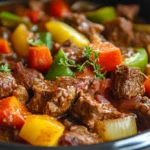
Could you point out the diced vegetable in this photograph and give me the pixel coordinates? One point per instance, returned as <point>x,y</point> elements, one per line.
<point>62,32</point>
<point>117,128</point>
<point>147,85</point>
<point>102,15</point>
<point>46,38</point>
<point>40,58</point>
<point>57,69</point>
<point>12,112</point>
<point>19,40</point>
<point>11,20</point>
<point>142,27</point>
<point>109,55</point>
<point>33,15</point>
<point>45,130</point>
<point>58,8</point>
<point>4,46</point>
<point>139,59</point>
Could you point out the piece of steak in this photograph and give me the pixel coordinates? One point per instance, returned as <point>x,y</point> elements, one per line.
<point>127,82</point>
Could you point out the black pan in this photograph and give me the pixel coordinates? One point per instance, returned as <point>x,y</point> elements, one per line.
<point>137,142</point>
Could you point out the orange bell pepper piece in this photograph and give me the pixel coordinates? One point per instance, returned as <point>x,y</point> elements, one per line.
<point>147,85</point>
<point>40,58</point>
<point>4,46</point>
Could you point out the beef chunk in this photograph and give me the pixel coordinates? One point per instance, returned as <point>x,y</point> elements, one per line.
<point>25,76</point>
<point>83,25</point>
<point>143,111</point>
<point>128,11</point>
<point>119,31</point>
<point>141,39</point>
<point>89,111</point>
<point>21,93</point>
<point>53,97</point>
<point>72,51</point>
<point>7,84</point>
<point>127,82</point>
<point>79,135</point>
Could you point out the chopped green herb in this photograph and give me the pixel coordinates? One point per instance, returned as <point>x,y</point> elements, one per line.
<point>4,68</point>
<point>33,42</point>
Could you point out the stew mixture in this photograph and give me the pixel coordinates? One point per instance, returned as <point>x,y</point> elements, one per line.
<point>73,73</point>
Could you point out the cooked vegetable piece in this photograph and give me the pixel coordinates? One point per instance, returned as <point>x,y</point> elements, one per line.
<point>11,20</point>
<point>46,38</point>
<point>142,27</point>
<point>45,130</point>
<point>62,32</point>
<point>12,112</point>
<point>19,40</point>
<point>33,15</point>
<point>40,58</point>
<point>102,15</point>
<point>139,59</point>
<point>109,55</point>
<point>117,128</point>
<point>58,69</point>
<point>147,86</point>
<point>4,46</point>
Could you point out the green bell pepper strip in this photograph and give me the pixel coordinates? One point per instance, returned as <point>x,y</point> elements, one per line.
<point>102,15</point>
<point>46,38</point>
<point>11,20</point>
<point>139,59</point>
<point>142,27</point>
<point>57,70</point>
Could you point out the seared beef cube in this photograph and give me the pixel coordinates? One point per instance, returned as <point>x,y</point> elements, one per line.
<point>119,31</point>
<point>128,11</point>
<point>25,76</point>
<point>86,27</point>
<point>143,111</point>
<point>53,97</point>
<point>7,84</point>
<point>89,111</point>
<point>79,135</point>
<point>73,52</point>
<point>21,93</point>
<point>127,82</point>
<point>141,39</point>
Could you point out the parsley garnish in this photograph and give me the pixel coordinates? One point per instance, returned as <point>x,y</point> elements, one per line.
<point>33,42</point>
<point>4,68</point>
<point>88,54</point>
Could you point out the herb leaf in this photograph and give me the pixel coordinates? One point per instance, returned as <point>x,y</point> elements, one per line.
<point>4,68</point>
<point>33,42</point>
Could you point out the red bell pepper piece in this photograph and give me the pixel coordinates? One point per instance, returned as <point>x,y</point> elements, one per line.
<point>58,8</point>
<point>40,58</point>
<point>12,112</point>
<point>4,47</point>
<point>33,15</point>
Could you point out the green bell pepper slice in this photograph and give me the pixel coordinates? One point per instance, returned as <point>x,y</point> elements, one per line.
<point>57,70</point>
<point>46,38</point>
<point>139,59</point>
<point>102,15</point>
<point>11,20</point>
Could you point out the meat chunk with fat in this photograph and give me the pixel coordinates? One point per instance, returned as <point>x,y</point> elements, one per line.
<point>7,84</point>
<point>119,31</point>
<point>127,82</point>
<point>25,76</point>
<point>79,135</point>
<point>89,111</point>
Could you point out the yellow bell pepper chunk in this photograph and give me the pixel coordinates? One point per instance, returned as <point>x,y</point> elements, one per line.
<point>19,40</point>
<point>62,32</point>
<point>41,130</point>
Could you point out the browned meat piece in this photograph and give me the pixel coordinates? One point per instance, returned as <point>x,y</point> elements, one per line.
<point>119,31</point>
<point>21,93</point>
<point>72,51</point>
<point>141,39</point>
<point>53,97</point>
<point>25,76</point>
<point>79,135</point>
<point>128,11</point>
<point>127,82</point>
<point>143,111</point>
<point>89,111</point>
<point>80,23</point>
<point>7,84</point>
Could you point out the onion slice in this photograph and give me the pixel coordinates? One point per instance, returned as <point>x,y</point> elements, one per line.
<point>116,128</point>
